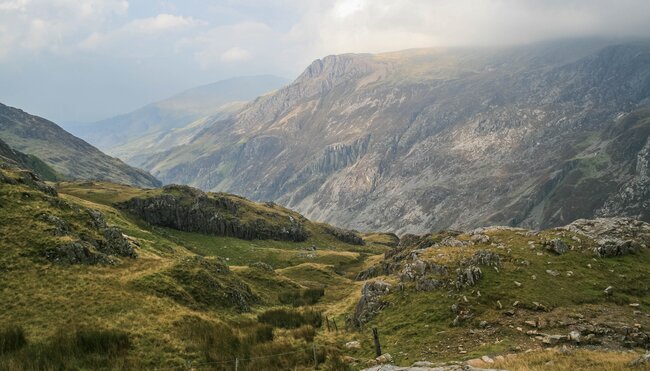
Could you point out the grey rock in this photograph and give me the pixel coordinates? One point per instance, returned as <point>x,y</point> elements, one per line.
<point>556,246</point>
<point>467,276</point>
<point>116,243</point>
<point>79,252</point>
<point>370,302</point>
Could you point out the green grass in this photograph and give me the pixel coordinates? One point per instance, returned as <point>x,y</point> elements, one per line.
<point>577,289</point>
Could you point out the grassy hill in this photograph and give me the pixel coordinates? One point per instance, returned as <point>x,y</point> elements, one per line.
<point>95,276</point>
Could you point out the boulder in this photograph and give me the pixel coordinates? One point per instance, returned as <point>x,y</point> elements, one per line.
<point>556,246</point>
<point>384,358</point>
<point>468,276</point>
<point>370,302</point>
<point>353,345</point>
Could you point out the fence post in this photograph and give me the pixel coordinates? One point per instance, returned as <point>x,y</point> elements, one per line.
<point>313,348</point>
<point>375,335</point>
<point>236,364</point>
<point>327,322</point>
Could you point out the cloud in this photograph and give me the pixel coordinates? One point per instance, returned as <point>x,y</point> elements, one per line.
<point>150,41</point>
<point>161,22</point>
<point>13,5</point>
<point>235,54</point>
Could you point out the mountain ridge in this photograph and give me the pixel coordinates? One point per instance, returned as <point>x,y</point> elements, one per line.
<point>435,122</point>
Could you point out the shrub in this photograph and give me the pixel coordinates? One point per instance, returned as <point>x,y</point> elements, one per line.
<point>306,332</point>
<point>263,333</point>
<point>102,341</point>
<point>12,339</point>
<point>299,298</point>
<point>285,318</point>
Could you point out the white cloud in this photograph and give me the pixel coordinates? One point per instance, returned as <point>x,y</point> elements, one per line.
<point>13,5</point>
<point>235,54</point>
<point>161,22</point>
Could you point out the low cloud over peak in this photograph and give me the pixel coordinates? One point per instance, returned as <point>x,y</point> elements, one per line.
<point>138,48</point>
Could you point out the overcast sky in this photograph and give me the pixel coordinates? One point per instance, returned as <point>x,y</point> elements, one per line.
<point>83,60</point>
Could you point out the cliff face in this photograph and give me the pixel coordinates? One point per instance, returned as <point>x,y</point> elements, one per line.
<point>430,139</point>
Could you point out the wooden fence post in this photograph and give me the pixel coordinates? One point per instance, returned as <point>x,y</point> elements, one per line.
<point>375,335</point>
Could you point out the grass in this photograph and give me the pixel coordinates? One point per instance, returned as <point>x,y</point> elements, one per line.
<point>577,288</point>
<point>574,359</point>
<point>148,297</point>
<point>174,306</point>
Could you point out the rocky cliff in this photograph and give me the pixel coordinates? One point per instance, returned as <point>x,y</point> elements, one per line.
<point>533,136</point>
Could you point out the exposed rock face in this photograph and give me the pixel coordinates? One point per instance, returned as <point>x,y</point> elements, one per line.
<point>191,210</point>
<point>613,236</point>
<point>416,141</point>
<point>370,303</point>
<point>80,252</point>
<point>345,235</point>
<point>468,276</point>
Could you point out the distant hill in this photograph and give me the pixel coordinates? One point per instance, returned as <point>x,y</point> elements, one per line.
<point>117,135</point>
<point>66,154</point>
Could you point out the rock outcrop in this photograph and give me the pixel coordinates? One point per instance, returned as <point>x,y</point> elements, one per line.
<point>370,303</point>
<point>191,210</point>
<point>613,236</point>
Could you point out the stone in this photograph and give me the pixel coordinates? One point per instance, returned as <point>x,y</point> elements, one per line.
<point>353,345</point>
<point>422,364</point>
<point>468,276</point>
<point>553,339</point>
<point>518,284</point>
<point>552,272</point>
<point>384,358</point>
<point>487,359</point>
<point>574,336</point>
<point>556,246</point>
<point>609,290</point>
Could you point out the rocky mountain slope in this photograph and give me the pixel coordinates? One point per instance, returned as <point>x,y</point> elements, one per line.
<point>420,140</point>
<point>151,129</point>
<point>68,155</point>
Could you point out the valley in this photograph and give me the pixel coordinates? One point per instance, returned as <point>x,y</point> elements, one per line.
<point>92,283</point>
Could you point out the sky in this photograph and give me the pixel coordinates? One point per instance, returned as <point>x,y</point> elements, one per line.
<point>85,60</point>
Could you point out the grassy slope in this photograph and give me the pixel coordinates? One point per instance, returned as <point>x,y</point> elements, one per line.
<point>426,333</point>
<point>45,298</point>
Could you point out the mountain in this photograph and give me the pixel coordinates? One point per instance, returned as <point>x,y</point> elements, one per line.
<point>68,155</point>
<point>142,128</point>
<point>535,135</point>
<point>104,276</point>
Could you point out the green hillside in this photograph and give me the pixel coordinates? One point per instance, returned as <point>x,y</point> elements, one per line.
<point>96,275</point>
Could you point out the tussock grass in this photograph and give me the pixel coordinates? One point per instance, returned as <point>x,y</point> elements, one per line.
<point>290,318</point>
<point>12,339</point>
